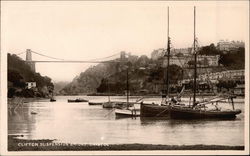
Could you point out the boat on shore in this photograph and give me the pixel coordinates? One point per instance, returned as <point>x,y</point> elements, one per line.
<point>77,100</point>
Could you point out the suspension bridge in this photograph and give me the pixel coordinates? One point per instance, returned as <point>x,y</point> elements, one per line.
<point>115,58</point>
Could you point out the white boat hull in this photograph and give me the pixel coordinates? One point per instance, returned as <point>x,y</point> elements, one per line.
<point>127,112</point>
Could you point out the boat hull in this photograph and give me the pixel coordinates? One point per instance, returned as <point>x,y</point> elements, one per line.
<point>115,104</point>
<point>127,112</point>
<point>52,100</point>
<point>77,100</point>
<point>150,110</point>
<point>95,103</point>
<point>108,105</point>
<point>189,113</point>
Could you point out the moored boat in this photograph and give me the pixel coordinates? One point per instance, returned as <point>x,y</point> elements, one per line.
<point>154,110</point>
<point>200,110</point>
<point>95,103</point>
<point>127,112</point>
<point>108,104</point>
<point>115,104</point>
<point>161,109</point>
<point>52,100</point>
<point>127,109</point>
<point>77,100</point>
<point>199,113</point>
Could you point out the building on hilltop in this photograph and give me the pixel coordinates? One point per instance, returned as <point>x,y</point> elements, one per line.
<point>186,61</point>
<point>159,53</point>
<point>182,51</point>
<point>226,46</point>
<point>235,75</point>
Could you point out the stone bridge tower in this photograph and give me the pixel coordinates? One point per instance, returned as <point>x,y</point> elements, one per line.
<point>28,59</point>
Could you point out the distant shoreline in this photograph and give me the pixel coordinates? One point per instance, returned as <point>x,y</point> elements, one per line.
<point>15,144</point>
<point>146,95</point>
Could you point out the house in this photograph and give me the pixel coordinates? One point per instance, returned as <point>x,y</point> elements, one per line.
<point>239,89</point>
<point>30,85</point>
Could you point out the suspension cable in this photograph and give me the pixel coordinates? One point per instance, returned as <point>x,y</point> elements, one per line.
<point>47,56</point>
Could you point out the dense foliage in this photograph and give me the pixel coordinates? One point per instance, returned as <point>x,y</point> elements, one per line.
<point>146,74</point>
<point>233,59</point>
<point>19,73</point>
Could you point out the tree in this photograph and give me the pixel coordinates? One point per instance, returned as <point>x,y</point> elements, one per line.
<point>179,55</point>
<point>226,84</point>
<point>19,72</point>
<point>175,73</point>
<point>209,50</point>
<point>234,60</point>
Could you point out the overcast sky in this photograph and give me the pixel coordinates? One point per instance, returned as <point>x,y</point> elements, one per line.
<point>83,30</point>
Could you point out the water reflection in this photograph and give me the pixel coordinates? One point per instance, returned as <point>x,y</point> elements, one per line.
<point>81,123</point>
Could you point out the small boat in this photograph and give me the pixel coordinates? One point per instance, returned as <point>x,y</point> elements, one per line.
<point>126,109</point>
<point>127,112</point>
<point>95,103</point>
<point>108,104</point>
<point>116,104</point>
<point>33,112</point>
<point>52,100</point>
<point>77,100</point>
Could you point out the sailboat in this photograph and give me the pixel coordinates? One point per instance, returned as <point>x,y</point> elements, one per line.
<point>207,109</point>
<point>113,104</point>
<point>160,110</point>
<point>129,109</point>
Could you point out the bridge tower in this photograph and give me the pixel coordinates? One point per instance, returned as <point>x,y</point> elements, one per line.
<point>28,59</point>
<point>122,55</point>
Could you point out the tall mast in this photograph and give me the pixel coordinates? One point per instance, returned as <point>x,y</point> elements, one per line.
<point>127,89</point>
<point>168,55</point>
<point>195,62</point>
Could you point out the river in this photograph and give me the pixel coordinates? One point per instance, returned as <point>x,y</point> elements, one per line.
<point>80,123</point>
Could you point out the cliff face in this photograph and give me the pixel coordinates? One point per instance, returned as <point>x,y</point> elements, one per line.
<point>19,73</point>
<point>88,81</point>
<point>144,75</point>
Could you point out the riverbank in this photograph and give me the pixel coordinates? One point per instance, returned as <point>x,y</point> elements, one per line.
<point>15,144</point>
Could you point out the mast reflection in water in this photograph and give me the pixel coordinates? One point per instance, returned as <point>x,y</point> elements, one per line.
<point>85,124</point>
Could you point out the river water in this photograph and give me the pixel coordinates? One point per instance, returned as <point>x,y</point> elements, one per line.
<point>80,123</point>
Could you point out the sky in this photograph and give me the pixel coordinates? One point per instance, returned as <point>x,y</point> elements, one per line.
<point>82,30</point>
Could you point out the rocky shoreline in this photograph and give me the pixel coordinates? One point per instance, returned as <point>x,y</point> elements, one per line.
<point>15,144</point>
